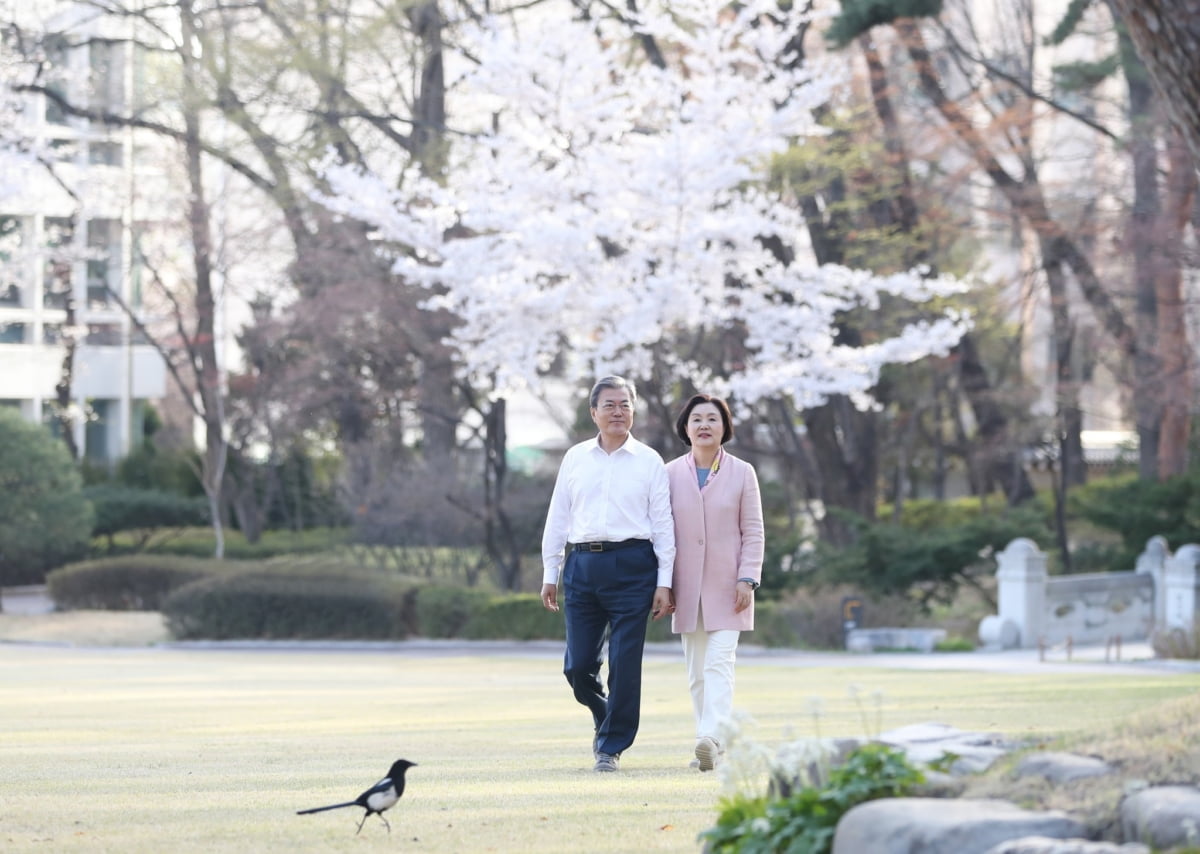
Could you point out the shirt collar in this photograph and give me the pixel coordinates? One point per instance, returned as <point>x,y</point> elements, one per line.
<point>630,446</point>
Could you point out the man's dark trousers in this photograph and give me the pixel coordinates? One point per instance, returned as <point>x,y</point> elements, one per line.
<point>613,589</point>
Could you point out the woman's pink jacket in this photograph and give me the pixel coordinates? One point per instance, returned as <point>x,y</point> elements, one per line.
<point>718,539</point>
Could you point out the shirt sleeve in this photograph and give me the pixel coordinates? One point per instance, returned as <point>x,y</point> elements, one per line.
<point>662,523</point>
<point>558,523</point>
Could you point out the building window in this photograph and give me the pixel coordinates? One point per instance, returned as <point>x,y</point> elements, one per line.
<point>63,150</point>
<point>56,54</point>
<point>103,335</point>
<point>11,273</point>
<point>52,333</point>
<point>56,271</point>
<point>12,333</point>
<point>105,153</point>
<point>95,439</point>
<point>104,258</point>
<point>106,76</point>
<point>10,296</point>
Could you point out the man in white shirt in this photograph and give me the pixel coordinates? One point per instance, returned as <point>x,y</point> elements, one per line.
<point>611,512</point>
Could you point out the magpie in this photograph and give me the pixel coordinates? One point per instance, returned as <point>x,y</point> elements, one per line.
<point>382,796</point>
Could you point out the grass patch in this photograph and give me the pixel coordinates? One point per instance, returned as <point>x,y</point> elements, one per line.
<point>146,750</point>
<point>1156,745</point>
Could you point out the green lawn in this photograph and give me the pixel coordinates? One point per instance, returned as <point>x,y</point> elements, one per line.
<point>157,750</point>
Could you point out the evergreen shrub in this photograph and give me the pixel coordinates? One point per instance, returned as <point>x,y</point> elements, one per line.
<point>44,519</point>
<point>444,612</point>
<point>200,542</point>
<point>930,553</point>
<point>126,582</point>
<point>274,605</point>
<point>516,616</point>
<point>128,508</point>
<point>1137,510</point>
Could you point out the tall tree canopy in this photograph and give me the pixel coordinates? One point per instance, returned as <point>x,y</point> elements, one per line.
<point>605,204</point>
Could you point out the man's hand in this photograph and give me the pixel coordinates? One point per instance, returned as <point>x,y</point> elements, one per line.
<point>550,597</point>
<point>662,603</point>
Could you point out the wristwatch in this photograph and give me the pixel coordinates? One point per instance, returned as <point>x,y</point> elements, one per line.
<point>753,584</point>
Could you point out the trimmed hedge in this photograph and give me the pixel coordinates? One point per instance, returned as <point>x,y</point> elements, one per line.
<point>261,604</point>
<point>516,616</point>
<point>445,612</point>
<point>128,582</point>
<point>318,597</point>
<point>128,508</point>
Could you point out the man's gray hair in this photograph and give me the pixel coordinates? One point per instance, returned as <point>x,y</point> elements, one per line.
<point>611,382</point>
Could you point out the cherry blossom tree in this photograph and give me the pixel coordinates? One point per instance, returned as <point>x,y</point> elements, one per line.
<point>602,198</point>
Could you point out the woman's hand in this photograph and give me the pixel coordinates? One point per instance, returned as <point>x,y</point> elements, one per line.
<point>743,597</point>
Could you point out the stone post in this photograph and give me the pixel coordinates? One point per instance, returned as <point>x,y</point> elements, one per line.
<point>1183,588</point>
<point>1153,562</point>
<point>1021,583</point>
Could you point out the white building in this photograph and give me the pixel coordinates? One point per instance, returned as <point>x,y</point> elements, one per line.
<point>67,241</point>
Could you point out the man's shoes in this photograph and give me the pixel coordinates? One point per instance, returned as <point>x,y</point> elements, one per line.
<point>606,762</point>
<point>707,751</point>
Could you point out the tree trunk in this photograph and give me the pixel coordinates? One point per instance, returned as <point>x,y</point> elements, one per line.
<point>62,389</point>
<point>998,459</point>
<point>499,538</point>
<point>1068,413</point>
<point>439,408</point>
<point>1166,34</point>
<point>844,443</point>
<point>1174,351</point>
<point>1142,243</point>
<point>204,354</point>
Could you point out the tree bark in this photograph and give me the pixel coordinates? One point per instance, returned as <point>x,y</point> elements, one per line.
<point>62,389</point>
<point>998,459</point>
<point>1174,350</point>
<point>844,444</point>
<point>205,363</point>
<point>1142,240</point>
<point>1166,34</point>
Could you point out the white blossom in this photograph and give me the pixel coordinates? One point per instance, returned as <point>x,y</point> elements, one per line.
<point>615,203</point>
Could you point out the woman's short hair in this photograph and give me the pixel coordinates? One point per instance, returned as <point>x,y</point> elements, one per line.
<point>611,382</point>
<point>694,401</point>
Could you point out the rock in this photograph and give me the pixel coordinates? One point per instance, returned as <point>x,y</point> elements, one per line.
<point>1045,845</point>
<point>1162,816</point>
<point>939,785</point>
<point>934,826</point>
<point>1061,767</point>
<point>973,752</point>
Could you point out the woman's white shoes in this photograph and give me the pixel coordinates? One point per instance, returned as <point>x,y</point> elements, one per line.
<point>707,751</point>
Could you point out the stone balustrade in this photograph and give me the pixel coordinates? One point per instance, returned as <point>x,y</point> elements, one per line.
<point>1039,610</point>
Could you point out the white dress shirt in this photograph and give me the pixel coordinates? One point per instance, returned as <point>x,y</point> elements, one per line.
<point>610,497</point>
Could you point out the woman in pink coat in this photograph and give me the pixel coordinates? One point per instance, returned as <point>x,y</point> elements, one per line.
<point>718,561</point>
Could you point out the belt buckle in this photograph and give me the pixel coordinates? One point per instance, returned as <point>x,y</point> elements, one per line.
<point>595,547</point>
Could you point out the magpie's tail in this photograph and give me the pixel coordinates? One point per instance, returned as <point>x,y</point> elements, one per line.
<point>330,807</point>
